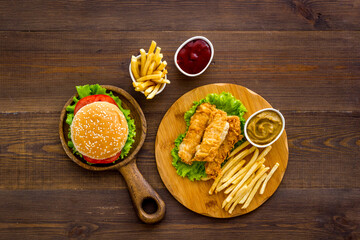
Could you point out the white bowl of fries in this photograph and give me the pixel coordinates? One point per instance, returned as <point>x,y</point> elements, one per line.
<point>148,72</point>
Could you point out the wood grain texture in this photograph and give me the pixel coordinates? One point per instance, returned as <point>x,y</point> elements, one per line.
<point>276,65</point>
<point>317,214</point>
<point>31,141</point>
<point>178,15</point>
<point>302,56</point>
<point>195,195</point>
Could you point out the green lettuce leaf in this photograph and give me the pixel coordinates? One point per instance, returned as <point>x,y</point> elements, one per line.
<point>224,101</point>
<point>95,89</point>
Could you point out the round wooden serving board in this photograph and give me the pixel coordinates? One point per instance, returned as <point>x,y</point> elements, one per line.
<point>194,195</point>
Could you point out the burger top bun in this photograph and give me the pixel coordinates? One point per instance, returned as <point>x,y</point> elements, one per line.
<point>99,130</point>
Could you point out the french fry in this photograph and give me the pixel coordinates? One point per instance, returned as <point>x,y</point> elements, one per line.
<point>215,183</point>
<point>229,189</point>
<point>157,52</point>
<point>238,193</point>
<point>135,67</point>
<point>145,85</point>
<point>232,172</point>
<point>225,168</point>
<point>253,191</point>
<point>153,93</point>
<point>227,206</point>
<point>243,199</point>
<point>258,175</point>
<point>164,72</point>
<point>162,80</point>
<point>236,159</point>
<point>243,189</point>
<point>205,179</point>
<point>268,177</point>
<point>142,61</point>
<point>238,197</point>
<point>157,56</point>
<point>149,90</point>
<point>241,192</point>
<point>152,47</point>
<point>151,68</point>
<point>244,153</point>
<point>253,169</point>
<point>264,152</point>
<point>237,178</point>
<point>247,167</point>
<point>136,84</point>
<point>239,148</point>
<point>149,59</point>
<point>161,66</point>
<point>158,59</point>
<point>236,181</point>
<point>227,183</point>
<point>247,175</point>
<point>148,77</point>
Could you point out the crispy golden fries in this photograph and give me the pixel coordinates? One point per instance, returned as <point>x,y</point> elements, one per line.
<point>239,148</point>
<point>142,61</point>
<point>135,67</point>
<point>152,46</point>
<point>253,191</point>
<point>153,93</point>
<point>268,177</point>
<point>149,71</point>
<point>241,179</point>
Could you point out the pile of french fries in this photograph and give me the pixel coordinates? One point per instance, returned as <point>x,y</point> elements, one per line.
<point>149,71</point>
<point>241,179</point>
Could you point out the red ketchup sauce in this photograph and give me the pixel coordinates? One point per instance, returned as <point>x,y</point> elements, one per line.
<point>194,56</point>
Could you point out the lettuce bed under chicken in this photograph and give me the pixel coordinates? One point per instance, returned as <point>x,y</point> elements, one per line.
<point>224,101</point>
<point>87,90</point>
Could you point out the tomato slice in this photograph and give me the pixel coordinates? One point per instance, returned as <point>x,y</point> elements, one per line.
<point>93,98</point>
<point>107,160</point>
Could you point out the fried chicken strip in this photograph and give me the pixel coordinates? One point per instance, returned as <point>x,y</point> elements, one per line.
<point>198,123</point>
<point>234,135</point>
<point>214,135</point>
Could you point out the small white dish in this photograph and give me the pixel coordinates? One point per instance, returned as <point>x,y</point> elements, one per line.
<point>182,45</point>
<point>134,80</point>
<point>275,139</point>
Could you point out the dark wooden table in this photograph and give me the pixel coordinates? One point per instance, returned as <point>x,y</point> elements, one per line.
<point>302,56</point>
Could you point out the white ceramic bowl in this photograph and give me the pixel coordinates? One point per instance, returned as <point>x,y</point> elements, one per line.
<point>182,45</point>
<point>277,137</point>
<point>134,80</point>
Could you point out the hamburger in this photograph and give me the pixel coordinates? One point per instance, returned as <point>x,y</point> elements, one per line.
<point>101,131</point>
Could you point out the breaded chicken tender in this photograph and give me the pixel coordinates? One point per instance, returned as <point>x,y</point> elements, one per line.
<point>234,135</point>
<point>214,135</point>
<point>198,123</point>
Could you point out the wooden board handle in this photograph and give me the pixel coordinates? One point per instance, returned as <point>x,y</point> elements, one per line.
<point>140,191</point>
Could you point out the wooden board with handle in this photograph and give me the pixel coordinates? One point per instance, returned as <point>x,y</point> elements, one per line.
<point>194,195</point>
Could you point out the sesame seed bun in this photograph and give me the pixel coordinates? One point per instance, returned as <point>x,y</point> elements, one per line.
<point>99,130</point>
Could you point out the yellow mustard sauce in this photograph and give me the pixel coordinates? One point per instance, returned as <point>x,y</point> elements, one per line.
<point>264,127</point>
